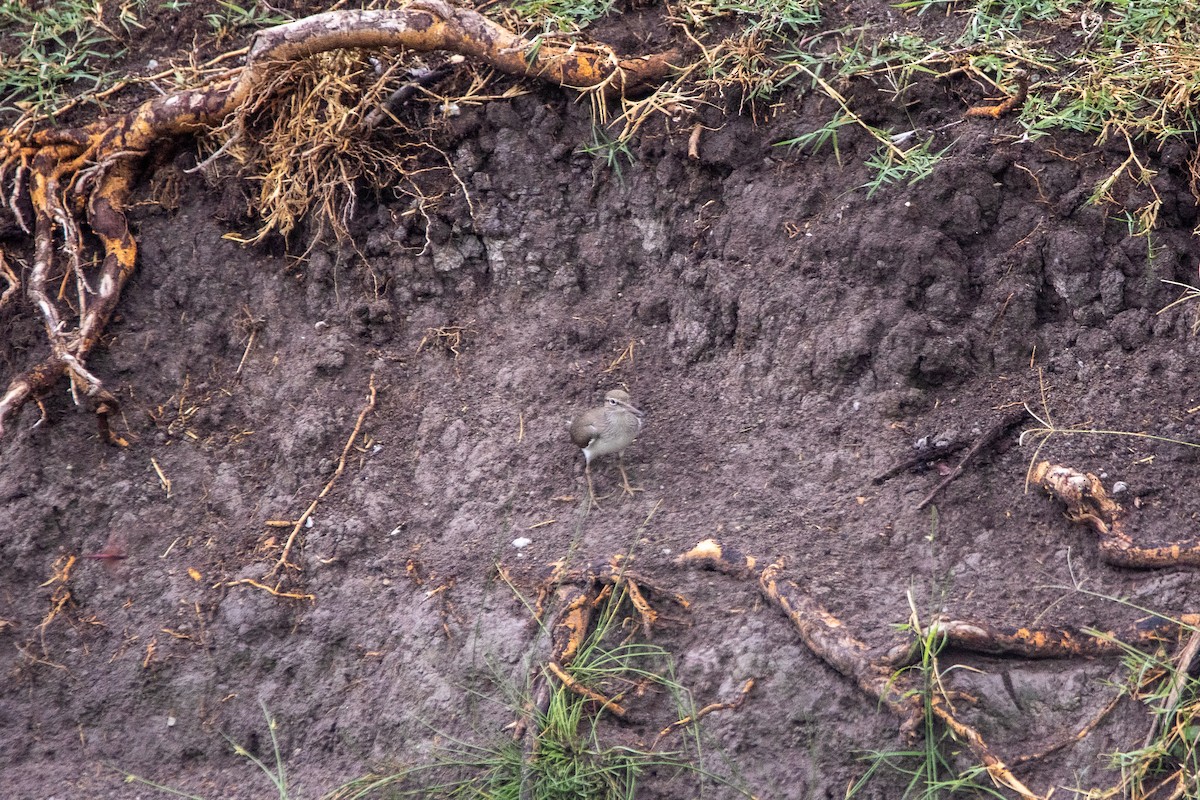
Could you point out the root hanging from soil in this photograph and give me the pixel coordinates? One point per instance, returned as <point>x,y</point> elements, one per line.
<point>69,187</point>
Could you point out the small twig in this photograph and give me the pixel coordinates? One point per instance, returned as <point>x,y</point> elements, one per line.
<point>388,108</point>
<point>626,355</point>
<point>1183,667</point>
<point>708,709</point>
<point>1079,736</point>
<point>163,480</point>
<point>220,151</point>
<point>246,352</point>
<point>693,148</point>
<point>362,415</point>
<point>919,460</point>
<point>269,589</point>
<point>987,438</point>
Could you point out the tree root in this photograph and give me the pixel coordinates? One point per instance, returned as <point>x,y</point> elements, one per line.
<point>576,596</point>
<point>881,672</point>
<point>732,705</point>
<point>52,177</point>
<point>829,640</point>
<point>1088,503</point>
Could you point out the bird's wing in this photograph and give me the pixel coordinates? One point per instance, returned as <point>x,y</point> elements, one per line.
<point>584,431</point>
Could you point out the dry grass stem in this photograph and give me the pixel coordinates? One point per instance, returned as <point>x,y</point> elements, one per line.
<point>283,562</point>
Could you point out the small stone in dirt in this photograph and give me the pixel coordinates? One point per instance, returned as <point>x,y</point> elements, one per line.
<point>1120,487</point>
<point>522,542</point>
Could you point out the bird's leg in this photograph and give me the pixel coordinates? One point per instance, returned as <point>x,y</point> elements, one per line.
<point>629,490</point>
<point>587,473</point>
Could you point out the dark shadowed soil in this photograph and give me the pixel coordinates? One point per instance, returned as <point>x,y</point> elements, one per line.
<point>788,337</point>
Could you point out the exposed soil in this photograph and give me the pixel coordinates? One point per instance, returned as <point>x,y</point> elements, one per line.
<point>791,338</point>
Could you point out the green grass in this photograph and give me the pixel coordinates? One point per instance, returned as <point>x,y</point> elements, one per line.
<point>230,19</point>
<point>276,775</point>
<point>562,15</point>
<point>1115,69</point>
<point>1168,763</point>
<point>569,753</point>
<point>61,51</point>
<point>608,150</point>
<point>929,770</point>
<point>1171,756</point>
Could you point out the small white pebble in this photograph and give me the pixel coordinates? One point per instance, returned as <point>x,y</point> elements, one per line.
<point>1120,487</point>
<point>321,324</point>
<point>170,722</point>
<point>666,551</point>
<point>521,542</point>
<point>308,523</point>
<point>376,449</point>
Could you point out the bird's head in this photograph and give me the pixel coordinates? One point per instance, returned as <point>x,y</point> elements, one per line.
<point>620,398</point>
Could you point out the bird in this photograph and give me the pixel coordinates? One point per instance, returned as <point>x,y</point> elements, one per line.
<point>605,430</point>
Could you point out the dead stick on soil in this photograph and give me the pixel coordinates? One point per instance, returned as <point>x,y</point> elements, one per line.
<point>269,589</point>
<point>1079,736</point>
<point>918,460</point>
<point>362,415</point>
<point>246,352</point>
<point>990,435</point>
<point>708,709</point>
<point>1183,666</point>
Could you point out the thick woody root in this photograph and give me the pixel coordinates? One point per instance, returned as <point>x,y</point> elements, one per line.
<point>881,677</point>
<point>53,175</point>
<point>1149,631</point>
<point>1088,503</point>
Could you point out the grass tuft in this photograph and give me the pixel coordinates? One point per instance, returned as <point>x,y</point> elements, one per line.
<point>61,48</point>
